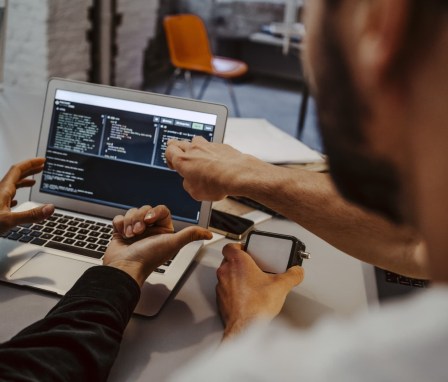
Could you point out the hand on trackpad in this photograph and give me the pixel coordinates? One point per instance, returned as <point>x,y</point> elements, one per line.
<point>51,272</point>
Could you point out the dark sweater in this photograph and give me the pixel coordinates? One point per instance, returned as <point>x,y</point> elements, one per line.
<point>80,337</point>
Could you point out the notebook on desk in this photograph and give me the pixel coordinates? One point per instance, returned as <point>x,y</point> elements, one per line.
<point>272,144</point>
<point>105,151</point>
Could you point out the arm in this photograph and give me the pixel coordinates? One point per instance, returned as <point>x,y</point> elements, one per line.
<point>80,338</point>
<point>212,171</point>
<point>244,292</point>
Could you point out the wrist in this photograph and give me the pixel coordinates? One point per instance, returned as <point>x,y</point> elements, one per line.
<point>261,180</point>
<point>250,177</point>
<point>133,269</point>
<point>233,329</point>
<point>237,327</point>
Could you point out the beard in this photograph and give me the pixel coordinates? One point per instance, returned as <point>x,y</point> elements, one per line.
<point>362,178</point>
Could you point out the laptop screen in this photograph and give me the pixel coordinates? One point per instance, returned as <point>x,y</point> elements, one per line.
<point>112,152</point>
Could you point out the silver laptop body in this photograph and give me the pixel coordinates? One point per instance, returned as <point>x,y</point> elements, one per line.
<point>105,150</point>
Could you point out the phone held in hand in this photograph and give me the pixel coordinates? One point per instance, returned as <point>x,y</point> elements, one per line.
<point>231,226</point>
<point>273,252</point>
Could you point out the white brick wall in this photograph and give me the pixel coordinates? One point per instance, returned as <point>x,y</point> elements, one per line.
<point>137,27</point>
<point>68,24</point>
<point>46,38</point>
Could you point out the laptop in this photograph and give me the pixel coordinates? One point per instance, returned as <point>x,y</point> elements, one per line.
<point>105,150</point>
<point>391,285</point>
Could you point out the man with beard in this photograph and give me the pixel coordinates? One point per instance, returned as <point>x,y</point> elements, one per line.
<point>378,70</point>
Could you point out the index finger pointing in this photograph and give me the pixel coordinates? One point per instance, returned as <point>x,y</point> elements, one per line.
<point>199,139</point>
<point>183,145</point>
<point>173,154</point>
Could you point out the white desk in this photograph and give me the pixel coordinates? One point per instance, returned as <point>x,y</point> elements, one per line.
<point>189,323</point>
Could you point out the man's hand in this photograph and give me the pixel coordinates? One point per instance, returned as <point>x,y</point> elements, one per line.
<point>15,178</point>
<point>210,170</point>
<point>245,293</point>
<point>143,240</point>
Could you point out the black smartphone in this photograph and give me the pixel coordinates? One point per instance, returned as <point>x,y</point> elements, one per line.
<point>232,226</point>
<point>274,252</point>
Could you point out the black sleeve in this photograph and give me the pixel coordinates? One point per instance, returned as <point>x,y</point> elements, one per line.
<point>80,337</point>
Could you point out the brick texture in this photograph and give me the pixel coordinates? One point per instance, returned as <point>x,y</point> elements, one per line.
<point>46,38</point>
<point>139,19</point>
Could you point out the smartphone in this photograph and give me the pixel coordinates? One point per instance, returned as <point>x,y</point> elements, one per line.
<point>274,252</point>
<point>232,226</point>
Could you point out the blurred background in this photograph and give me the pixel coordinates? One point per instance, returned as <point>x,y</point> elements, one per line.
<point>124,43</point>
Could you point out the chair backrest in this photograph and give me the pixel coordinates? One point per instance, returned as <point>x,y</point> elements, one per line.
<point>188,42</point>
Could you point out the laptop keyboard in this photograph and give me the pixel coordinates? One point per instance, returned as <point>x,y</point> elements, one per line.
<point>68,233</point>
<point>403,280</point>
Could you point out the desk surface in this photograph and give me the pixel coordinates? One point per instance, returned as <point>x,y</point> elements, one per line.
<point>189,323</point>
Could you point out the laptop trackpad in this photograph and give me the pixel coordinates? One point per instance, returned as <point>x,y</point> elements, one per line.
<point>51,272</point>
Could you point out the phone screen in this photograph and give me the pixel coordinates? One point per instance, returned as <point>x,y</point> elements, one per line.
<point>270,253</point>
<point>230,224</point>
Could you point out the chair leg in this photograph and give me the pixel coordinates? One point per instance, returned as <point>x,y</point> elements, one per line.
<point>233,98</point>
<point>189,80</point>
<point>177,72</point>
<point>204,86</point>
<point>303,110</point>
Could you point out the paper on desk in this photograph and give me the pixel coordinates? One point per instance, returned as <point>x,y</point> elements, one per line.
<point>263,140</point>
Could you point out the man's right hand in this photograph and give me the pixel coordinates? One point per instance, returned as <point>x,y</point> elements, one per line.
<point>211,171</point>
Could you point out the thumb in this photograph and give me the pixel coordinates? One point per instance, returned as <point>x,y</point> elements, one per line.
<point>187,235</point>
<point>293,276</point>
<point>32,216</point>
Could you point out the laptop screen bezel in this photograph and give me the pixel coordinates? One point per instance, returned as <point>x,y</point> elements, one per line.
<point>103,211</point>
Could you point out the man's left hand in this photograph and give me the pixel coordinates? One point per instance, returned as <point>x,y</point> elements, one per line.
<point>245,293</point>
<point>18,177</point>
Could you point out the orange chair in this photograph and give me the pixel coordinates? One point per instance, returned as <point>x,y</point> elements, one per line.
<point>189,49</point>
